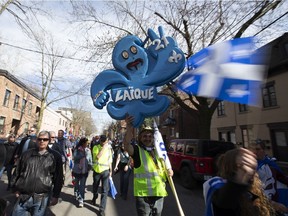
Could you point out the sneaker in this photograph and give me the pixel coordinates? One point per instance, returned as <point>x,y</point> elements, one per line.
<point>81,203</point>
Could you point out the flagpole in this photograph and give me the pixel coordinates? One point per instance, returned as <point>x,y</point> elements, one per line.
<point>162,154</point>
<point>171,183</point>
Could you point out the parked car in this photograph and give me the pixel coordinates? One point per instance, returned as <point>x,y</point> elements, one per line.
<point>195,159</point>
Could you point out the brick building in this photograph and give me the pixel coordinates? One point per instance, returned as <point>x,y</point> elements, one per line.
<point>19,105</point>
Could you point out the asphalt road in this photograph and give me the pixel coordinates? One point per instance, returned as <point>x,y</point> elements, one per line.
<point>191,200</point>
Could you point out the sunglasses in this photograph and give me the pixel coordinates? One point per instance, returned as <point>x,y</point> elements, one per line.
<point>53,137</point>
<point>43,139</point>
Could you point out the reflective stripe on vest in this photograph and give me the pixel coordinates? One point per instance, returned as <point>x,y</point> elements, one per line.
<point>101,164</point>
<point>152,177</point>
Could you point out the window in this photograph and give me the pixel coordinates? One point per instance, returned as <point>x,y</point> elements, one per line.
<point>247,136</point>
<point>2,124</point>
<point>191,149</point>
<point>280,137</point>
<point>23,105</point>
<point>243,108</point>
<point>172,146</point>
<point>6,98</point>
<point>30,108</point>
<point>180,147</point>
<point>269,95</point>
<point>221,109</point>
<point>227,135</point>
<point>16,102</point>
<point>26,127</point>
<point>60,121</point>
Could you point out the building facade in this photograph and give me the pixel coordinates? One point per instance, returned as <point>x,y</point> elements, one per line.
<point>19,106</point>
<point>55,120</point>
<point>242,124</point>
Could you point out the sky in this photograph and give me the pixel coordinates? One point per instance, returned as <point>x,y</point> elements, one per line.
<point>25,64</point>
<point>20,62</point>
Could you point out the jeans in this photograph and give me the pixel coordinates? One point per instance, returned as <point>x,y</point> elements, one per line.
<point>79,186</point>
<point>124,182</point>
<point>35,206</point>
<point>149,206</point>
<point>104,177</point>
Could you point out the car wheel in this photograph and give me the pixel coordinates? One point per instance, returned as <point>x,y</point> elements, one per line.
<point>187,179</point>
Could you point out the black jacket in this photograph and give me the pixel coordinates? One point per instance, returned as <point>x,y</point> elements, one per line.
<point>37,173</point>
<point>10,152</point>
<point>32,144</point>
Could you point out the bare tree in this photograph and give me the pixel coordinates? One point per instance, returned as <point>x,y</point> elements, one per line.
<point>82,119</point>
<point>194,24</point>
<point>48,82</point>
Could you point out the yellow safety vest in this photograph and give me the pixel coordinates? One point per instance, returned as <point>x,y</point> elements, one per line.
<point>103,163</point>
<point>149,180</point>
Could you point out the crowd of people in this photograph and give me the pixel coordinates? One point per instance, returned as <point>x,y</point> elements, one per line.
<point>47,155</point>
<point>246,183</point>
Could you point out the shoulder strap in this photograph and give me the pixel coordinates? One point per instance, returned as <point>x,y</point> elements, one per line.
<point>209,187</point>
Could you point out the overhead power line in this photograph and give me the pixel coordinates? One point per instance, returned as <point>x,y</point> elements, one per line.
<point>271,23</point>
<point>49,54</point>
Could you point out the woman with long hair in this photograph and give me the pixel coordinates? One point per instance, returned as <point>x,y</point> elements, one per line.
<point>237,191</point>
<point>82,164</point>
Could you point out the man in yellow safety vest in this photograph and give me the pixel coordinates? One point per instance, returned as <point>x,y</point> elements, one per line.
<point>149,174</point>
<point>102,170</point>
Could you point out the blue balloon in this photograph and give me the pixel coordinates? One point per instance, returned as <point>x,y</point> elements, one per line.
<point>131,85</point>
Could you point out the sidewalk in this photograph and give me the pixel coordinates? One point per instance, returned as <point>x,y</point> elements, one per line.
<point>69,206</point>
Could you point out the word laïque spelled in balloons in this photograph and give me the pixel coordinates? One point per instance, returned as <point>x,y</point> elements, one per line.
<point>138,71</point>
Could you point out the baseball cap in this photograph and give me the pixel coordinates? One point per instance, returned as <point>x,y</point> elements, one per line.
<point>146,128</point>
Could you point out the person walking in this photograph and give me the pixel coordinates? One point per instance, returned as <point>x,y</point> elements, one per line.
<point>82,164</point>
<point>123,165</point>
<point>11,147</point>
<point>102,170</point>
<point>237,190</point>
<point>36,174</point>
<point>267,170</point>
<point>65,145</point>
<point>26,143</point>
<point>149,174</point>
<point>53,144</point>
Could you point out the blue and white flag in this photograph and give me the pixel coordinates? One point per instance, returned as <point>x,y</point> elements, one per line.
<point>231,70</point>
<point>160,146</point>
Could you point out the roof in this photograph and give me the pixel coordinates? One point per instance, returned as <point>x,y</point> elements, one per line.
<point>277,52</point>
<point>13,79</point>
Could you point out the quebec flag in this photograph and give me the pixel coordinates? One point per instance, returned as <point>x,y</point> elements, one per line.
<point>230,70</point>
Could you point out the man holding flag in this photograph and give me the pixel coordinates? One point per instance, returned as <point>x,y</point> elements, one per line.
<point>149,172</point>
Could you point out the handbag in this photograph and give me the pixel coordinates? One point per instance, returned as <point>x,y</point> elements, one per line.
<point>112,189</point>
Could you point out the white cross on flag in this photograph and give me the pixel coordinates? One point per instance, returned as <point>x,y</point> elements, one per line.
<point>231,70</point>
